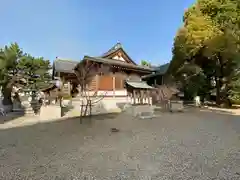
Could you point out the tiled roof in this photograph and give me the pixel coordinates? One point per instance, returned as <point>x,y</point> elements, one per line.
<point>115,48</point>
<point>117,62</point>
<point>64,65</point>
<point>139,84</point>
<point>161,70</point>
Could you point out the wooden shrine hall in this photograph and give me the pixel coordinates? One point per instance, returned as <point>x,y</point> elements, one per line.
<point>113,74</point>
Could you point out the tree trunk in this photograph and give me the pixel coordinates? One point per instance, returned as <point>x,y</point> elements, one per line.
<point>7,99</point>
<point>217,78</point>
<point>86,108</point>
<point>218,97</point>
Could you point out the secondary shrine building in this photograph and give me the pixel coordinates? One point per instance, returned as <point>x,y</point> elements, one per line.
<point>123,76</point>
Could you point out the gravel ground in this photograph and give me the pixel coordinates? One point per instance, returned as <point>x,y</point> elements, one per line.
<point>188,146</point>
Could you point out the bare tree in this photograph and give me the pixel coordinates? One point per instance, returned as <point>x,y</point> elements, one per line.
<point>85,73</point>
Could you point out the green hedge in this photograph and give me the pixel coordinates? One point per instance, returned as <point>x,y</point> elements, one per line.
<point>235,102</point>
<point>235,99</point>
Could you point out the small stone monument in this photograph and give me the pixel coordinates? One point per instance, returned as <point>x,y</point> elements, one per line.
<point>30,104</point>
<point>17,107</point>
<point>197,101</point>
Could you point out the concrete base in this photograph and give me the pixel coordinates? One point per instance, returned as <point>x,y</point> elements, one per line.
<point>50,112</point>
<point>176,106</point>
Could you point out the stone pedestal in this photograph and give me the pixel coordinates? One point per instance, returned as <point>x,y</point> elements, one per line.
<point>17,107</point>
<point>31,108</point>
<point>176,106</point>
<point>28,110</point>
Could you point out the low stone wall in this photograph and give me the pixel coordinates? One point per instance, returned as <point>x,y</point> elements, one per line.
<point>176,105</point>
<point>50,112</point>
<point>73,108</point>
<point>106,105</point>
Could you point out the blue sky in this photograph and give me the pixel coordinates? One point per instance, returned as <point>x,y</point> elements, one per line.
<point>71,29</point>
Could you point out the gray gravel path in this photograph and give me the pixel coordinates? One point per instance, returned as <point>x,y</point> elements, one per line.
<point>191,145</point>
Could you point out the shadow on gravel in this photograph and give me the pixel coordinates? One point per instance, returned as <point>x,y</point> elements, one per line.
<point>10,116</point>
<point>233,112</point>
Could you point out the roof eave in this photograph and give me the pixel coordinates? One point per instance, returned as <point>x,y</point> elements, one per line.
<point>126,65</point>
<point>115,50</point>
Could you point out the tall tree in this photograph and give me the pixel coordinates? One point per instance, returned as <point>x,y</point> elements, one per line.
<point>9,74</point>
<point>235,84</point>
<point>18,67</point>
<point>145,63</point>
<point>85,72</point>
<point>35,71</point>
<point>210,39</point>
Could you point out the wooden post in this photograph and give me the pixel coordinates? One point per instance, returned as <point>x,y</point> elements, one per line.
<point>90,113</point>
<point>69,88</point>
<point>81,113</point>
<point>148,99</point>
<point>141,96</point>
<point>113,84</point>
<point>58,74</point>
<point>97,82</point>
<point>134,97</point>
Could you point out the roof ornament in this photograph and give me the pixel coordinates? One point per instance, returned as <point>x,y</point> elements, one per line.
<point>118,45</point>
<point>114,48</point>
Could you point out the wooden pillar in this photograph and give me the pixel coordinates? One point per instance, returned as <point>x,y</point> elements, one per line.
<point>58,74</point>
<point>141,96</point>
<point>97,82</point>
<point>144,97</point>
<point>63,81</point>
<point>134,97</point>
<point>69,88</point>
<point>149,98</point>
<point>113,84</point>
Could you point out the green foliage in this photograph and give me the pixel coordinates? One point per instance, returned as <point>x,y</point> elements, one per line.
<point>21,69</point>
<point>210,39</point>
<point>145,63</point>
<point>9,71</point>
<point>35,71</point>
<point>235,85</point>
<point>9,59</point>
<point>188,74</point>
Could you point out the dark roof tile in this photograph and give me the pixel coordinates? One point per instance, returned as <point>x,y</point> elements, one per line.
<point>64,65</point>
<point>113,49</point>
<point>161,70</point>
<point>116,62</point>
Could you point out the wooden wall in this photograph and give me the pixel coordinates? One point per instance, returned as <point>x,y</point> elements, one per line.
<point>113,81</point>
<point>109,82</point>
<point>92,86</point>
<point>105,83</point>
<point>119,83</point>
